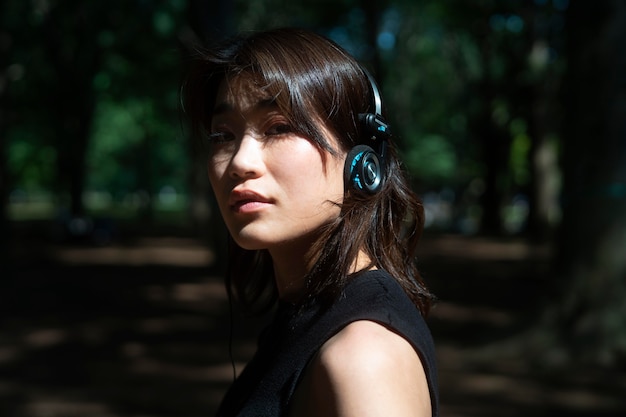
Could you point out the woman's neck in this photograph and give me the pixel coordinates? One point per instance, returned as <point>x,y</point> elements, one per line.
<point>290,269</point>
<point>291,265</point>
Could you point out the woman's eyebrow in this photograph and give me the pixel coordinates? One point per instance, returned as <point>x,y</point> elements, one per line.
<point>225,107</point>
<point>222,107</point>
<point>268,102</point>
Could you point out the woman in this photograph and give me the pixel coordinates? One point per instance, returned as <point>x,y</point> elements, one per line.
<point>324,227</point>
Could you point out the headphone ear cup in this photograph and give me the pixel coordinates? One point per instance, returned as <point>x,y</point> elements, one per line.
<point>363,169</point>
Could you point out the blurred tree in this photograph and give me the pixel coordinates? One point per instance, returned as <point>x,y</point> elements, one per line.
<point>543,113</point>
<point>425,90</point>
<point>69,30</point>
<point>373,26</point>
<point>136,147</point>
<point>313,14</point>
<point>589,313</point>
<point>491,99</point>
<point>208,22</point>
<point>469,89</point>
<point>508,107</point>
<point>467,79</point>
<point>440,70</point>
<point>5,46</point>
<point>96,103</point>
<point>14,59</point>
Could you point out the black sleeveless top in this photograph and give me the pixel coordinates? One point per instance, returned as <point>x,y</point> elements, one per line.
<point>267,384</point>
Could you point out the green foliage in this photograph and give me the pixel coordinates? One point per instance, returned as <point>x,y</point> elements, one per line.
<point>135,137</point>
<point>432,158</point>
<point>255,15</point>
<point>32,164</point>
<point>125,136</point>
<point>426,83</point>
<point>520,153</point>
<point>445,68</point>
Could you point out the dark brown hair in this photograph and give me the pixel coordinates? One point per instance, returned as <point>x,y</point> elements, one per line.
<point>315,81</point>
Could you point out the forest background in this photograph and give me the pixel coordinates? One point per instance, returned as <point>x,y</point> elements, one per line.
<point>510,116</point>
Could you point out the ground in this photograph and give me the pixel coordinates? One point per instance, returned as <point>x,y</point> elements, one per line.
<point>142,329</point>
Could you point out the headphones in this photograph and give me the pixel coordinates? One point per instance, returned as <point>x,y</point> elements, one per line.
<point>364,168</point>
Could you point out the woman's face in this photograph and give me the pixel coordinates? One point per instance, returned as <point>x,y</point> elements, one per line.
<point>273,186</point>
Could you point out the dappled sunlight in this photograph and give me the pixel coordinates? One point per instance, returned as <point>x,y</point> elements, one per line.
<point>145,329</point>
<point>42,338</point>
<point>216,373</point>
<point>459,247</point>
<point>194,292</point>
<point>182,252</point>
<point>8,354</point>
<point>513,389</point>
<point>103,331</point>
<point>463,314</point>
<point>206,295</point>
<point>47,406</point>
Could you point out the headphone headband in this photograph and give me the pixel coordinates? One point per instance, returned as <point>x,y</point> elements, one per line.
<point>365,164</point>
<point>375,128</point>
<point>378,103</point>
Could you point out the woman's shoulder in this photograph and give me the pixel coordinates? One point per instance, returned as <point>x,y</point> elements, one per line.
<point>372,283</point>
<point>366,369</point>
<point>377,290</point>
<point>376,296</point>
<point>367,346</point>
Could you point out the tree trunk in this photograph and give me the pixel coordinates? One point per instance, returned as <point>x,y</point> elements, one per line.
<point>4,182</point>
<point>591,314</point>
<point>373,11</point>
<point>72,103</point>
<point>4,171</point>
<point>493,139</point>
<point>495,148</point>
<point>541,112</point>
<point>209,22</point>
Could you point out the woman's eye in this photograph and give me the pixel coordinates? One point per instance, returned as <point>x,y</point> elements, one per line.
<point>220,137</point>
<point>279,129</point>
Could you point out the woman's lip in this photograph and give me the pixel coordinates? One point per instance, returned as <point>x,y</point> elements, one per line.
<point>245,200</point>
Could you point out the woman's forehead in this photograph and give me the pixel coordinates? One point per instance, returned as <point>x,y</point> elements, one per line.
<point>242,91</point>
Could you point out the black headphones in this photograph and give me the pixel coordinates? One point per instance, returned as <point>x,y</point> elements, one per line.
<point>364,169</point>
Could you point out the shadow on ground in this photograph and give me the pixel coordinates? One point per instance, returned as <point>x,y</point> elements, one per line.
<point>143,329</point>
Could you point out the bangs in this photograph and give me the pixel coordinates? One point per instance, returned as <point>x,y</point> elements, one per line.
<point>315,84</point>
<point>292,97</point>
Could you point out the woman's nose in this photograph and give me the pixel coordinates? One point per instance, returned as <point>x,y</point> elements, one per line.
<point>247,161</point>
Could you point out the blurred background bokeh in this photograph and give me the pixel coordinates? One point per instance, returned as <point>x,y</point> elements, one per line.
<point>510,116</point>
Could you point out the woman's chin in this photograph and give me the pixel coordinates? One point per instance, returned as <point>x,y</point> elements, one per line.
<point>250,242</point>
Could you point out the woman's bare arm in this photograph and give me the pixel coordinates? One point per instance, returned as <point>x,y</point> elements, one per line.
<point>365,370</point>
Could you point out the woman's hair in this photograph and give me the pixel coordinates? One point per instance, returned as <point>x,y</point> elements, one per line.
<point>314,81</point>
